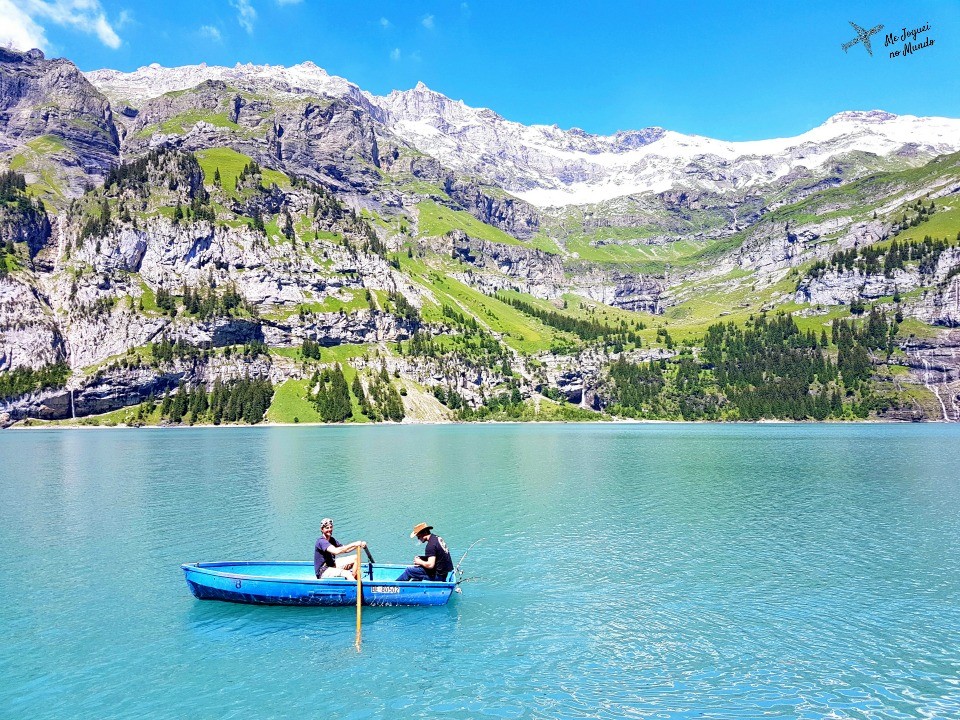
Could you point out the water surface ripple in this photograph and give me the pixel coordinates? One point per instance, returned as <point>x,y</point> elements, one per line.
<point>627,571</point>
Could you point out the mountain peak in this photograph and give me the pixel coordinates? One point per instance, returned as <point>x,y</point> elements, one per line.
<point>155,80</point>
<point>546,165</point>
<point>862,116</point>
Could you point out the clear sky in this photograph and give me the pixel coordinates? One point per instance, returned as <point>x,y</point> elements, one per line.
<point>730,70</point>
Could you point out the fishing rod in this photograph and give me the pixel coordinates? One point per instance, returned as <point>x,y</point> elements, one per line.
<point>456,571</point>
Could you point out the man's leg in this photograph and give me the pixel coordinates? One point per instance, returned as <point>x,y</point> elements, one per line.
<point>349,564</point>
<point>414,572</point>
<point>336,573</point>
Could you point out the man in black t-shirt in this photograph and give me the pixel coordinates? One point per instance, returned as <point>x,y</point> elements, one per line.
<point>435,563</point>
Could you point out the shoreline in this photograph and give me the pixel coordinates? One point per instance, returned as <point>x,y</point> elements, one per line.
<point>428,423</point>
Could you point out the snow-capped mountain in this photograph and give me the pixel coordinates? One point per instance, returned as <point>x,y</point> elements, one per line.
<point>155,80</point>
<point>548,166</point>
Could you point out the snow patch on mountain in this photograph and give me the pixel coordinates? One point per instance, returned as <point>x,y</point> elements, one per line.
<point>547,166</point>
<point>155,80</point>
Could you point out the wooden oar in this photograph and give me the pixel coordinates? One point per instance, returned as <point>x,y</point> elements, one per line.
<point>359,598</point>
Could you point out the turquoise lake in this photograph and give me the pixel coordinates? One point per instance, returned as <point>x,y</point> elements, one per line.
<point>626,571</point>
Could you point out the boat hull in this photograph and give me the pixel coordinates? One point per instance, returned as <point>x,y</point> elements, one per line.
<point>293,583</point>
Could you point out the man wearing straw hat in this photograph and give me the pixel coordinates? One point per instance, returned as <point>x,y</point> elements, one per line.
<point>325,563</point>
<point>435,562</point>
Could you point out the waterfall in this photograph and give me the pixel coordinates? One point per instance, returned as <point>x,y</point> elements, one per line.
<point>73,410</point>
<point>933,389</point>
<point>951,394</point>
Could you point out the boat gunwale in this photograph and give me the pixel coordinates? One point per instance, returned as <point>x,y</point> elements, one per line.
<point>206,569</point>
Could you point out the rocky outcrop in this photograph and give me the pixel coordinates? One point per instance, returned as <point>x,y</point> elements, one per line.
<point>40,97</point>
<point>338,138</point>
<point>534,266</point>
<point>267,275</point>
<point>101,303</point>
<point>941,305</point>
<point>29,334</point>
<point>331,140</point>
<point>582,379</point>
<point>94,334</point>
<point>935,364</point>
<point>840,287</point>
<point>402,160</point>
<point>493,207</point>
<point>628,291</point>
<point>215,332</point>
<point>26,224</point>
<point>473,383</point>
<point>329,329</point>
<point>770,246</point>
<point>117,387</point>
<point>507,266</point>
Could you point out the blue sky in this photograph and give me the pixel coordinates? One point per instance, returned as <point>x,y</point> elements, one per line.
<point>734,71</point>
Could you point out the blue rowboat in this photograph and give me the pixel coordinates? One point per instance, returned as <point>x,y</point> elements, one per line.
<point>293,583</point>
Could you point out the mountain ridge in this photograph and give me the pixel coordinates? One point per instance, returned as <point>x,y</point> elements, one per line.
<point>551,167</point>
<point>250,228</point>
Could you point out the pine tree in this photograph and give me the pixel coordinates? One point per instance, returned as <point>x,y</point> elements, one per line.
<point>332,399</point>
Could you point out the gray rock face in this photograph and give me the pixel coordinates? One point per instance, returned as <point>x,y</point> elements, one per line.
<point>29,335</point>
<point>40,97</point>
<point>93,336</point>
<point>579,378</point>
<point>217,332</point>
<point>512,215</point>
<point>27,225</point>
<point>940,306</point>
<point>129,252</point>
<point>337,137</point>
<point>623,290</point>
<point>112,389</point>
<point>935,364</point>
<point>331,329</point>
<point>539,273</point>
<point>85,308</point>
<point>841,287</point>
<point>329,140</point>
<point>772,247</point>
<point>401,161</point>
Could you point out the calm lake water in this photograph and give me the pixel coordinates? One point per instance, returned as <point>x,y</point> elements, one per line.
<point>638,571</point>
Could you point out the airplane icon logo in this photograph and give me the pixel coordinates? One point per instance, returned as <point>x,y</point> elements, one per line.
<point>862,36</point>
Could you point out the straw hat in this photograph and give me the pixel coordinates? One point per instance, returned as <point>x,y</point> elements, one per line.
<point>419,528</point>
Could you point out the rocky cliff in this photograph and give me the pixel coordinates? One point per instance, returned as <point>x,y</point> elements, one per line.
<point>54,117</point>
<point>283,210</point>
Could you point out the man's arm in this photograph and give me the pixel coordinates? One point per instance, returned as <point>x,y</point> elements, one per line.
<point>428,564</point>
<point>347,548</point>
